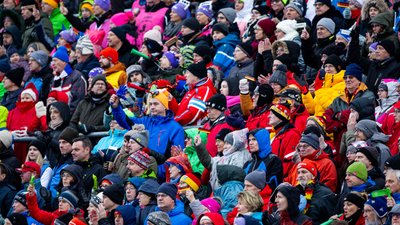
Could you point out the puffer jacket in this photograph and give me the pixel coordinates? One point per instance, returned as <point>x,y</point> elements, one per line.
<point>265,160</point>
<point>224,53</point>
<point>238,72</point>
<point>116,75</point>
<point>115,139</point>
<point>332,87</point>
<point>215,127</point>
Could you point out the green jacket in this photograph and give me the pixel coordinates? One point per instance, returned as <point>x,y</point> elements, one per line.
<point>59,21</point>
<point>190,151</point>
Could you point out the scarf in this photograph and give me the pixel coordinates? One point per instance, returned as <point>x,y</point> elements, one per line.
<point>308,193</point>
<point>54,124</point>
<point>25,106</point>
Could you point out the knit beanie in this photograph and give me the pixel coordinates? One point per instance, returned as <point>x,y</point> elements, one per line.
<point>191,180</point>
<point>53,3</point>
<point>101,78</point>
<point>111,54</point>
<point>16,75</point>
<point>221,27</point>
<point>262,9</point>
<point>279,76</point>
<point>181,9</point>
<point>388,45</point>
<point>325,2</point>
<point>372,47</point>
<point>327,23</point>
<point>120,32</point>
<point>192,24</point>
<point>379,204</point>
<point>267,25</point>
<point>162,96</point>
<point>153,46</point>
<point>85,45</point>
<point>213,204</point>
<point>142,138</point>
<point>345,34</point>
<point>198,69</point>
<point>31,90</point>
<point>96,72</point>
<point>354,70</point>
<point>205,52</point>
<point>104,4</point>
<point>265,95</point>
<point>356,199</point>
<point>229,13</point>
<point>28,3</point>
<point>21,198</point>
<point>40,57</point>
<point>310,139</point>
<point>335,61</point>
<point>120,19</point>
<point>222,134</point>
<point>359,170</point>
<point>88,6</point>
<point>217,101</point>
<point>291,93</point>
<point>309,165</point>
<point>296,6</point>
<point>173,60</point>
<point>68,134</point>
<point>393,162</point>
<point>17,219</point>
<point>140,158</point>
<point>159,218</point>
<point>154,34</point>
<point>371,153</point>
<point>206,9</point>
<point>68,35</point>
<point>40,145</point>
<point>4,65</point>
<point>246,48</point>
<point>168,189</point>
<point>115,193</point>
<point>70,197</point>
<point>383,86</point>
<point>368,127</point>
<point>257,178</point>
<point>281,111</point>
<point>61,54</point>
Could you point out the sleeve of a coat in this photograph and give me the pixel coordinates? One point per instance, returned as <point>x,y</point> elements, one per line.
<point>204,156</point>
<point>246,104</point>
<point>308,102</point>
<point>196,108</point>
<point>36,213</point>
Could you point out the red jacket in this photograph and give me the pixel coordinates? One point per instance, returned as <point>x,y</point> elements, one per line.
<point>299,118</point>
<point>214,130</point>
<point>391,128</point>
<point>284,145</point>
<point>192,107</point>
<point>47,218</point>
<point>325,167</point>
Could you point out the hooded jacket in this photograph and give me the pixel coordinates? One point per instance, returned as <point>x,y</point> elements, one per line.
<point>127,215</point>
<point>380,69</point>
<point>91,168</point>
<point>386,19</point>
<point>190,151</point>
<point>115,139</point>
<point>116,75</point>
<point>265,160</point>
<point>365,18</point>
<point>384,105</point>
<point>224,53</point>
<point>215,127</point>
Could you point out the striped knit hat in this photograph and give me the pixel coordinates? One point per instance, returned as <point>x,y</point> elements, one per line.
<point>141,158</point>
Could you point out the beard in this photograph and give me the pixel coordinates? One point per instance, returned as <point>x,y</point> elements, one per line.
<point>373,222</point>
<point>105,65</point>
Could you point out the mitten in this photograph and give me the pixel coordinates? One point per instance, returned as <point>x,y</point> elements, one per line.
<point>40,109</point>
<point>244,86</point>
<point>347,13</point>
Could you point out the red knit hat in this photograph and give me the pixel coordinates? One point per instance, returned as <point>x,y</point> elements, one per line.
<point>59,96</point>
<point>308,165</point>
<point>281,111</point>
<point>110,54</point>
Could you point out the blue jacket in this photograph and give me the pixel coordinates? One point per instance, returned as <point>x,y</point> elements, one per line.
<point>224,53</point>
<point>228,193</point>
<point>115,139</point>
<point>265,160</point>
<point>164,132</point>
<point>177,215</point>
<point>56,176</point>
<point>127,215</point>
<point>29,219</point>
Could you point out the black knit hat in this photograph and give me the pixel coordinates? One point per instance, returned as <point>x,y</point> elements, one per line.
<point>168,189</point>
<point>120,32</point>
<point>198,69</point>
<point>115,193</point>
<point>266,95</point>
<point>205,52</point>
<point>371,153</point>
<point>222,133</point>
<point>21,198</point>
<point>221,28</point>
<point>153,46</point>
<point>279,76</point>
<point>40,145</point>
<point>356,199</point>
<point>217,101</point>
<point>246,48</point>
<point>29,2</point>
<point>16,75</point>
<point>192,24</point>
<point>310,139</point>
<point>388,45</point>
<point>393,162</point>
<point>97,78</point>
<point>291,93</point>
<point>68,134</point>
<point>263,10</point>
<point>335,61</point>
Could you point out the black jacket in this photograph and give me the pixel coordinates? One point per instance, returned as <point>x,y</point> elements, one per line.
<point>86,66</point>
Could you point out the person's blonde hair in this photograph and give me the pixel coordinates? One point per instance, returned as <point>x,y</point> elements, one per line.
<point>39,160</point>
<point>253,201</point>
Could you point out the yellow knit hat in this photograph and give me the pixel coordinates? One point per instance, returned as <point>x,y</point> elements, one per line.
<point>52,3</point>
<point>87,6</point>
<point>162,96</point>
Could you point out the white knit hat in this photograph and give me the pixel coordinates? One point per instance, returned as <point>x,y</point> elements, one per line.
<point>85,45</point>
<point>154,34</point>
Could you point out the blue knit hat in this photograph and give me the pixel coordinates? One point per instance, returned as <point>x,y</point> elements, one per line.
<point>206,9</point>
<point>70,197</point>
<point>172,59</point>
<point>61,54</point>
<point>379,205</point>
<point>345,34</point>
<point>168,189</point>
<point>354,70</point>
<point>104,4</point>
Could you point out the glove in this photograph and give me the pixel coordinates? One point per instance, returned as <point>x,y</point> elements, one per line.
<point>354,34</point>
<point>347,13</point>
<point>244,86</point>
<point>85,129</point>
<point>40,110</point>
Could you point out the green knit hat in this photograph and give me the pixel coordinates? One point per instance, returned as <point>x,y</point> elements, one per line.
<point>359,170</point>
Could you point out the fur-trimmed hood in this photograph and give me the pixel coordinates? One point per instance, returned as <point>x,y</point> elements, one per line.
<point>379,4</point>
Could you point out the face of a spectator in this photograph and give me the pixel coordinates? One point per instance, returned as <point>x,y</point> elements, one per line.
<point>165,202</point>
<point>186,30</point>
<point>251,187</point>
<point>220,145</point>
<point>329,68</point>
<point>396,219</point>
<point>65,146</point>
<point>304,176</point>
<point>277,5</point>
<point>143,199</point>
<point>217,35</point>
<point>197,58</point>
<point>58,65</point>
<point>108,203</point>
<point>26,12</point>
<point>67,179</point>
<point>33,65</point>
<point>7,39</point>
<point>202,18</point>
<point>97,10</point>
<point>291,13</point>
<point>212,113</point>
<point>136,77</point>
<point>242,206</point>
<point>130,192</point>
<point>373,12</point>
<point>352,180</point>
<point>151,3</point>
<point>322,32</point>
<point>397,115</point>
<point>370,216</point>
<point>360,136</point>
<point>63,205</point>
<point>79,153</point>
<point>99,87</point>
<point>273,120</point>
<point>46,8</point>
<point>222,19</point>
<point>392,181</point>
<point>156,108</point>
<point>255,14</point>
<point>382,94</point>
<point>26,177</point>
<point>174,17</point>
<point>253,144</point>
<point>224,88</point>
<point>239,55</point>
<point>113,40</point>
<point>104,62</point>
<point>18,207</point>
<point>349,209</point>
<point>134,169</point>
<point>351,82</point>
<point>133,146</point>
<point>377,28</point>
<point>85,13</point>
<point>259,33</point>
<point>190,78</point>
<point>281,202</point>
<point>174,172</point>
<point>381,53</point>
<point>238,5</point>
<point>118,219</point>
<point>9,4</point>
<point>320,8</point>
